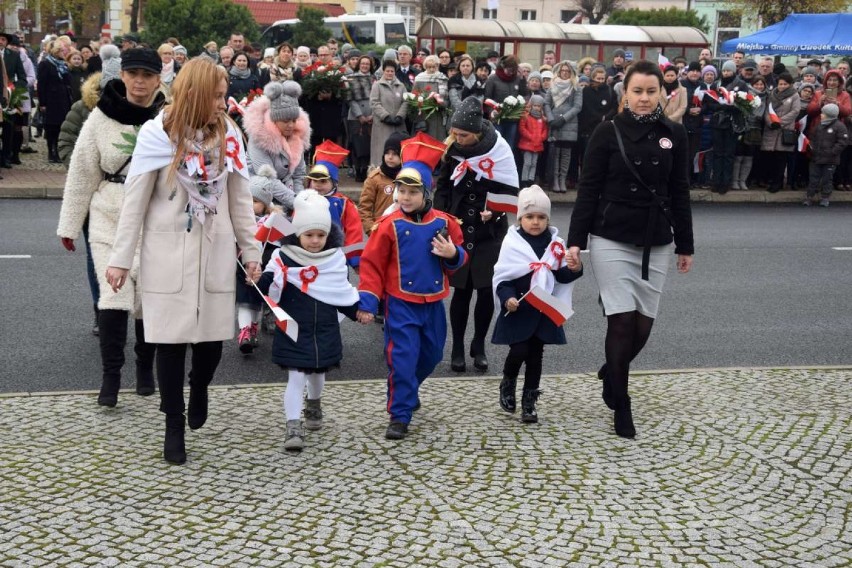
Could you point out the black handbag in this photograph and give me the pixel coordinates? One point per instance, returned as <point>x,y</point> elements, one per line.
<point>788,137</point>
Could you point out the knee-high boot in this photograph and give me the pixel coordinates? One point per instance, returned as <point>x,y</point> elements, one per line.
<point>564,166</point>
<point>735,175</point>
<point>113,337</point>
<point>17,143</point>
<point>745,171</point>
<point>144,362</point>
<point>555,157</point>
<point>174,444</point>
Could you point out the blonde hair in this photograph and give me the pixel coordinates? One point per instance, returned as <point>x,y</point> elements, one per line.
<point>191,110</point>
<point>166,47</point>
<point>431,59</point>
<point>451,139</point>
<point>585,61</point>
<point>566,65</point>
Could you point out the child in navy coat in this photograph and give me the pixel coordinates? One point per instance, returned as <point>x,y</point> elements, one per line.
<point>531,255</point>
<point>307,278</point>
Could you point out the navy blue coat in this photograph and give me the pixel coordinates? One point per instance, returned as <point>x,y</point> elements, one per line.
<point>527,321</point>
<point>320,346</point>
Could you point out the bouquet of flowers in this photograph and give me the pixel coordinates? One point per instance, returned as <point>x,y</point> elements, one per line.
<point>15,97</point>
<point>238,107</point>
<point>745,101</point>
<point>425,103</point>
<point>512,108</point>
<point>324,78</point>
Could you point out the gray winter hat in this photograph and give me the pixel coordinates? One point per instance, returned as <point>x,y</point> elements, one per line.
<point>831,110</point>
<point>261,184</point>
<point>111,58</point>
<point>283,100</point>
<point>729,66</point>
<point>469,116</point>
<point>536,100</point>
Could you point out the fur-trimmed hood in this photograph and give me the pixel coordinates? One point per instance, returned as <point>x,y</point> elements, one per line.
<point>263,132</point>
<point>91,91</point>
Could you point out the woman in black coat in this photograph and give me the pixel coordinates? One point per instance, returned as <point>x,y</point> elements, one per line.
<point>629,221</point>
<point>477,162</point>
<point>54,97</point>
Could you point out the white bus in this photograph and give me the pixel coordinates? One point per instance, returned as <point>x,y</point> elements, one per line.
<point>381,29</point>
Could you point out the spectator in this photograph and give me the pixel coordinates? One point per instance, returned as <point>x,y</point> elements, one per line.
<point>599,105</point>
<point>211,51</point>
<point>828,140</point>
<point>505,82</point>
<point>180,54</point>
<point>237,42</point>
<point>727,122</point>
<point>693,119</point>
<point>549,58</point>
<point>433,81</point>
<point>360,116</point>
<point>615,73</point>
<point>464,80</point>
<point>534,84</point>
<point>77,71</point>
<point>226,57</point>
<point>533,134</point>
<point>546,79</point>
<point>404,73</point>
<point>765,70</point>
<point>562,107</point>
<point>739,60</point>
<point>389,110</point>
<point>584,66</point>
<point>240,78</point>
<point>54,95</point>
<point>170,69</point>
<point>674,99</point>
<point>747,69</point>
<point>444,60</point>
<point>784,100</point>
<point>749,143</point>
<point>282,67</point>
<point>303,58</point>
<point>493,59</point>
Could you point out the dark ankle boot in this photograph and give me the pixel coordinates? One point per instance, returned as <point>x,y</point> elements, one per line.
<point>144,362</point>
<point>174,445</point>
<point>606,394</point>
<point>623,419</point>
<point>528,414</point>
<point>477,351</point>
<point>196,415</point>
<point>113,337</point>
<point>507,393</point>
<point>96,329</point>
<point>457,362</point>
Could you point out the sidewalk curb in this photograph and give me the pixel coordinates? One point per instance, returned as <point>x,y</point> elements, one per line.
<point>468,378</point>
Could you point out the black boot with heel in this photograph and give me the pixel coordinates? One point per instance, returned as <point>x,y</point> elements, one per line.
<point>174,445</point>
<point>113,337</point>
<point>144,362</point>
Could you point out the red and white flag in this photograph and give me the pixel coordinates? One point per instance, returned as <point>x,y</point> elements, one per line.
<point>501,202</point>
<point>354,250</point>
<point>663,62</point>
<point>773,116</point>
<point>283,320</point>
<point>804,145</point>
<point>548,304</point>
<point>698,161</point>
<point>274,228</point>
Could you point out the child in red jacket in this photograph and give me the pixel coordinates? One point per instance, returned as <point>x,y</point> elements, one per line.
<point>533,129</point>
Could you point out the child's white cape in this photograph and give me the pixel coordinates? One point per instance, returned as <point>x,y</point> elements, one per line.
<point>326,282</point>
<point>517,259</point>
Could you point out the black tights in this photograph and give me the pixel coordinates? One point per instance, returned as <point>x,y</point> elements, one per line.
<point>626,335</point>
<point>482,313</point>
<point>530,352</point>
<point>171,361</point>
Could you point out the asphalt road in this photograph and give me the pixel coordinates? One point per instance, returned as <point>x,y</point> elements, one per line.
<point>767,288</point>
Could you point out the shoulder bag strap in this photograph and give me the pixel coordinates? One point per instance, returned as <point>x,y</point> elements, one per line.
<point>660,201</point>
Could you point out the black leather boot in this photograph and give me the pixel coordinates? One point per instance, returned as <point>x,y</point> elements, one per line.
<point>198,401</point>
<point>174,445</point>
<point>96,328</point>
<point>144,362</point>
<point>477,351</point>
<point>528,414</point>
<point>457,362</point>
<point>113,337</point>
<point>507,393</point>
<point>606,393</point>
<point>623,419</point>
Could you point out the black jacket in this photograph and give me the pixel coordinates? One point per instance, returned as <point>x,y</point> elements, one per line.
<point>15,68</point>
<point>54,93</point>
<point>827,142</point>
<point>599,104</point>
<point>692,122</point>
<point>527,321</point>
<point>611,203</point>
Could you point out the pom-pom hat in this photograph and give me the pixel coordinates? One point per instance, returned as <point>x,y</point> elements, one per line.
<point>262,183</point>
<point>310,212</point>
<point>283,100</point>
<point>328,157</point>
<point>420,156</point>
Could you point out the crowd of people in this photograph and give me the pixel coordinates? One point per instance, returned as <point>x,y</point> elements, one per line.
<point>235,139</point>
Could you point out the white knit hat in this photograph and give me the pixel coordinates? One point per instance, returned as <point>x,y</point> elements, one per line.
<point>533,199</point>
<point>310,211</point>
<point>262,183</point>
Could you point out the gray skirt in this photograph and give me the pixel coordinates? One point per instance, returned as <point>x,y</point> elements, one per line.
<point>618,270</point>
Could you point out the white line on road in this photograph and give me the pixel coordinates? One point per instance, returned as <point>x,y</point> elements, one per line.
<point>16,256</point>
<point>841,248</point>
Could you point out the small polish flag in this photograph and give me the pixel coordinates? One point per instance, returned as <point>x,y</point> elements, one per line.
<point>804,145</point>
<point>773,116</point>
<point>712,94</point>
<point>283,320</point>
<point>663,61</point>
<point>548,304</point>
<point>698,161</point>
<point>354,250</point>
<point>501,202</point>
<point>274,228</point>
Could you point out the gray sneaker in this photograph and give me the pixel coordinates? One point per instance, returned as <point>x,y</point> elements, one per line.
<point>823,202</point>
<point>295,436</point>
<point>313,414</point>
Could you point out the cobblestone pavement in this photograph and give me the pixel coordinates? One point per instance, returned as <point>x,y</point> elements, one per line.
<point>730,468</point>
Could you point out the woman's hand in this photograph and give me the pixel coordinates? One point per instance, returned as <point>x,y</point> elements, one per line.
<point>486,215</point>
<point>684,263</point>
<point>512,305</point>
<point>364,317</point>
<point>116,277</point>
<point>252,272</point>
<point>443,247</point>
<point>573,257</point>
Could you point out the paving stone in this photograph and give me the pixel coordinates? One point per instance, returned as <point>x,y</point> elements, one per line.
<point>730,468</point>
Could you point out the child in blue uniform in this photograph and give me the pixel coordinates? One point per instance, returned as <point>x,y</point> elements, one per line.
<point>406,264</point>
<point>531,255</point>
<point>323,177</point>
<point>307,278</point>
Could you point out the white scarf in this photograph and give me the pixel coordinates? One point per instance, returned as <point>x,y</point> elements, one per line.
<point>517,259</point>
<point>497,165</point>
<point>324,280</point>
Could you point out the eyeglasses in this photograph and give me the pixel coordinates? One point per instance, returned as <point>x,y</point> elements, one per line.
<point>421,54</point>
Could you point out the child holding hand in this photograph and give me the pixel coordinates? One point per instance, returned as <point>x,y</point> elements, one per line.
<point>307,278</point>
<point>531,255</point>
<point>406,264</point>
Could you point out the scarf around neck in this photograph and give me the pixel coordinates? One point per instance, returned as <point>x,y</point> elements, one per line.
<point>167,75</point>
<point>645,118</point>
<point>561,90</point>
<point>239,73</point>
<point>61,66</point>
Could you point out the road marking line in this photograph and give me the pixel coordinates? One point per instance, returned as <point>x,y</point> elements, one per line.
<point>16,256</point>
<point>841,248</point>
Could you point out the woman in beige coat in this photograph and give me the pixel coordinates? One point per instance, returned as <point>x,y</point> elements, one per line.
<point>389,110</point>
<point>190,193</point>
<point>674,101</point>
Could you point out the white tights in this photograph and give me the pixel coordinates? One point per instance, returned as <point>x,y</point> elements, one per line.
<point>295,389</point>
<point>248,316</point>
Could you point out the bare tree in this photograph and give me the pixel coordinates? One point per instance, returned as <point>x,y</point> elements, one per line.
<point>441,8</point>
<point>597,10</point>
